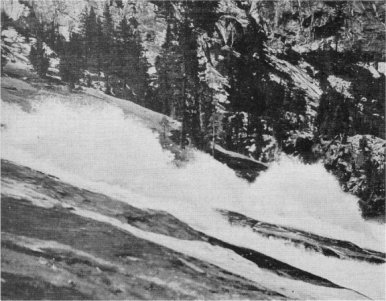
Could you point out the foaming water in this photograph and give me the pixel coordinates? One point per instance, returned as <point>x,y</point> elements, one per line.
<point>96,146</point>
<point>308,197</point>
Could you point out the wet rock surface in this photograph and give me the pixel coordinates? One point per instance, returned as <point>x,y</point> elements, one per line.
<point>327,246</point>
<point>51,252</point>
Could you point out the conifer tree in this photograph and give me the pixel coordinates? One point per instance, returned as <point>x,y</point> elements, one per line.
<point>89,32</point>
<point>248,71</point>
<point>107,47</point>
<point>99,45</point>
<point>178,67</point>
<point>70,67</point>
<point>130,64</point>
<point>170,72</point>
<point>333,114</point>
<point>38,56</point>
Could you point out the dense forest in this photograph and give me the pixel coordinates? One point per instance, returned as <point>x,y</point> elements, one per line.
<point>219,71</point>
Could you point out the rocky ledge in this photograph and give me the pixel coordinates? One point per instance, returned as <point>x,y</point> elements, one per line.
<point>64,242</point>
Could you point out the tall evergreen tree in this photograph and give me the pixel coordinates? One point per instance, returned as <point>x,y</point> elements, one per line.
<point>53,37</point>
<point>333,114</point>
<point>99,47</point>
<point>89,32</point>
<point>178,66</point>
<point>38,56</point>
<point>248,73</point>
<point>169,68</point>
<point>70,67</point>
<point>130,63</point>
<point>108,47</point>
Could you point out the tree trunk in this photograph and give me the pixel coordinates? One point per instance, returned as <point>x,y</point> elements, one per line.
<point>213,137</point>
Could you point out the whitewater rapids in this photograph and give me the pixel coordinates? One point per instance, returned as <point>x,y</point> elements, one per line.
<point>94,145</point>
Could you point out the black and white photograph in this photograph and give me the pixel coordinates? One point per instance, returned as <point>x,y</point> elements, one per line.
<point>193,150</point>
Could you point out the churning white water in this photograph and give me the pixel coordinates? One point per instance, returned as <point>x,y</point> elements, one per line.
<point>95,145</point>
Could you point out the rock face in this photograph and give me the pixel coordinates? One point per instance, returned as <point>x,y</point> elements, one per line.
<point>309,25</point>
<point>308,41</point>
<point>73,257</point>
<point>359,165</point>
<point>326,246</point>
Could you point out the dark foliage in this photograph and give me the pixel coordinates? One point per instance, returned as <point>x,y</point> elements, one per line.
<point>39,58</point>
<point>70,67</point>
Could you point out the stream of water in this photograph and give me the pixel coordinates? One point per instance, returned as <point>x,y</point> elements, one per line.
<point>95,145</point>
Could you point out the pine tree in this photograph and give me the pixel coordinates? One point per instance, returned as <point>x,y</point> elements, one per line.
<point>180,90</point>
<point>169,69</point>
<point>211,93</point>
<point>333,114</point>
<point>53,38</point>
<point>130,64</point>
<point>248,73</point>
<point>70,67</point>
<point>108,47</point>
<point>99,45</point>
<point>190,69</point>
<point>38,56</point>
<point>123,63</point>
<point>89,32</point>
<point>178,77</point>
